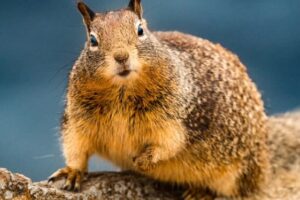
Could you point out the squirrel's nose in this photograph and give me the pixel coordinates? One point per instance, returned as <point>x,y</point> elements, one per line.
<point>121,56</point>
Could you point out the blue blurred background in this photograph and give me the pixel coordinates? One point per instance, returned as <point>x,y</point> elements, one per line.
<point>40,41</point>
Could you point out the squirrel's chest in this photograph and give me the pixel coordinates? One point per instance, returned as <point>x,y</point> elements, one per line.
<point>117,140</point>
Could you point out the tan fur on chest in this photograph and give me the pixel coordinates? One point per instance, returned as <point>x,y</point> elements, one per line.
<point>118,139</point>
<point>115,142</point>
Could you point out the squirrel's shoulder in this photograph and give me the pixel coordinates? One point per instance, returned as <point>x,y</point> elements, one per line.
<point>196,46</point>
<point>180,40</point>
<point>185,42</point>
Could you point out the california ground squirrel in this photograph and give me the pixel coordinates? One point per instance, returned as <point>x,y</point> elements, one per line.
<point>172,106</point>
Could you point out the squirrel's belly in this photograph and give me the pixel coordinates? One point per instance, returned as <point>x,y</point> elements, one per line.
<point>116,143</point>
<point>119,143</point>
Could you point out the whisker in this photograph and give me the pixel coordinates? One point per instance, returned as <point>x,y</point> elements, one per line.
<point>44,157</point>
<point>60,69</point>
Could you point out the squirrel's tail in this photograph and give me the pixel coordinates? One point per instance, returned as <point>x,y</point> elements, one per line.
<point>284,140</point>
<point>284,144</point>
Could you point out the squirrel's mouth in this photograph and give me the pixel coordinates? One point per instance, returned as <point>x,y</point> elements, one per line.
<point>124,73</point>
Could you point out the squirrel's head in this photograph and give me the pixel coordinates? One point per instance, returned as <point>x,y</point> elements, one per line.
<point>118,42</point>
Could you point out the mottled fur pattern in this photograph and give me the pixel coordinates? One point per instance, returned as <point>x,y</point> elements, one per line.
<point>284,142</point>
<point>187,114</point>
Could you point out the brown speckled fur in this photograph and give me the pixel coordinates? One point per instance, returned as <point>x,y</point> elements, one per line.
<point>189,114</point>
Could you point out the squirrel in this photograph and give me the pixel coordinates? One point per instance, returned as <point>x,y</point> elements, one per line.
<point>171,106</point>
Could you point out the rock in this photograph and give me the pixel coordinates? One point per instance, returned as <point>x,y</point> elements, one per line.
<point>13,186</point>
<point>108,185</point>
<point>284,183</point>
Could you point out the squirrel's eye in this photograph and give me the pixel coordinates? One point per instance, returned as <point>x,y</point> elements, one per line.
<point>93,41</point>
<point>140,30</point>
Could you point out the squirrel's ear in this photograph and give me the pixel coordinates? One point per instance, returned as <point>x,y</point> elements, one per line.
<point>136,6</point>
<point>87,14</point>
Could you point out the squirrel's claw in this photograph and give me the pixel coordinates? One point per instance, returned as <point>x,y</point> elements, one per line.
<point>144,162</point>
<point>73,178</point>
<point>61,173</point>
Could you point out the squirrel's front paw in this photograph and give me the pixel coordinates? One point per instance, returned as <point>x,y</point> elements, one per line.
<point>73,178</point>
<point>146,160</point>
<point>143,162</point>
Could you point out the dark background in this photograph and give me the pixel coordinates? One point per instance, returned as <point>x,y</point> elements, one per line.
<point>40,40</point>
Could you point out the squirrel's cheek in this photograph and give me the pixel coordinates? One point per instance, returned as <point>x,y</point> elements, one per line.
<point>135,62</point>
<point>93,48</point>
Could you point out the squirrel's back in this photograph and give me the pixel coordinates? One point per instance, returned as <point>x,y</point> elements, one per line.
<point>223,111</point>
